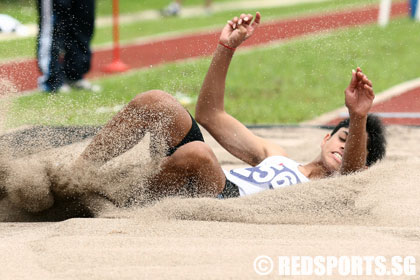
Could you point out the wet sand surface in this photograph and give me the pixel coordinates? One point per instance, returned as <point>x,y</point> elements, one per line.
<point>374,212</point>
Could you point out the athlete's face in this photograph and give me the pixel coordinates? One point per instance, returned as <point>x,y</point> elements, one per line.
<point>332,149</point>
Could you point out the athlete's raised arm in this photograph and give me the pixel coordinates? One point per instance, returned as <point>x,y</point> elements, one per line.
<point>359,99</point>
<point>210,111</point>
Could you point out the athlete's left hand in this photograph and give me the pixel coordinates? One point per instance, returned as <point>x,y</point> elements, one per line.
<point>359,94</point>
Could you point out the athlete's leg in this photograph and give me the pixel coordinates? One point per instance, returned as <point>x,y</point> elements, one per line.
<point>193,169</point>
<point>193,163</point>
<point>154,111</point>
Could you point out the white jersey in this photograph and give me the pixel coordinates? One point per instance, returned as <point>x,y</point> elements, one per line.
<point>273,172</point>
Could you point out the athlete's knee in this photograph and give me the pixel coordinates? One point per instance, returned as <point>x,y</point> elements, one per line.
<point>203,165</point>
<point>198,155</point>
<point>152,97</point>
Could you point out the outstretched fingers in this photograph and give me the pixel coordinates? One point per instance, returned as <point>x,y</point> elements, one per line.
<point>248,19</point>
<point>245,19</point>
<point>364,83</point>
<point>363,79</point>
<point>354,81</point>
<point>241,19</point>
<point>369,92</point>
<point>360,81</point>
<point>235,22</point>
<point>238,29</point>
<point>359,94</point>
<point>257,19</point>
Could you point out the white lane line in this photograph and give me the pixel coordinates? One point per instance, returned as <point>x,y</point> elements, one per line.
<point>388,115</point>
<point>380,97</point>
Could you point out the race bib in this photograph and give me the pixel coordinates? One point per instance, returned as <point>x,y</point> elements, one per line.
<point>267,177</point>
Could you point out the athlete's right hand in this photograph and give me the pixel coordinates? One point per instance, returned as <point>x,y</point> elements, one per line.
<point>239,29</point>
<point>359,94</point>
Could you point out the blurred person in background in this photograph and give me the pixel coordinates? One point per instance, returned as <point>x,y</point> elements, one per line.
<point>174,8</point>
<point>63,44</point>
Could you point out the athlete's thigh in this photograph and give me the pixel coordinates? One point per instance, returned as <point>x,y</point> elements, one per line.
<point>155,111</point>
<point>161,113</point>
<point>194,166</point>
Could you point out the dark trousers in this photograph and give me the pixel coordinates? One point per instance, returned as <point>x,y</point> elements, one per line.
<point>413,7</point>
<point>65,32</point>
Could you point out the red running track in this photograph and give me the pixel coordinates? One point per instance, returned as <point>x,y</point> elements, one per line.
<point>403,109</point>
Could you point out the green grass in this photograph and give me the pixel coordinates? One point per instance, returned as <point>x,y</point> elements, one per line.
<point>104,6</point>
<point>289,83</point>
<point>217,20</point>
<point>25,10</point>
<point>128,32</point>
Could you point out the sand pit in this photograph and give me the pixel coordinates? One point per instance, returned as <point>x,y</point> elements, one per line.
<point>372,213</point>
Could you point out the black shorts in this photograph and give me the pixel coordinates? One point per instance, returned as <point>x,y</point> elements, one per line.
<point>230,189</point>
<point>193,135</point>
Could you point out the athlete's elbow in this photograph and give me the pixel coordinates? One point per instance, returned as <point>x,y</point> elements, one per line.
<point>201,116</point>
<point>205,121</point>
<point>204,116</point>
<point>211,120</point>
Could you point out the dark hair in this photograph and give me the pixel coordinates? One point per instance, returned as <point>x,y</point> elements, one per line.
<point>376,145</point>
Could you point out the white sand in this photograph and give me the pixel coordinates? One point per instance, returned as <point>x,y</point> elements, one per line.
<point>375,212</point>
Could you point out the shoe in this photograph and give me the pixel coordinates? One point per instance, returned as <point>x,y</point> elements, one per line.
<point>84,84</point>
<point>65,88</point>
<point>172,9</point>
